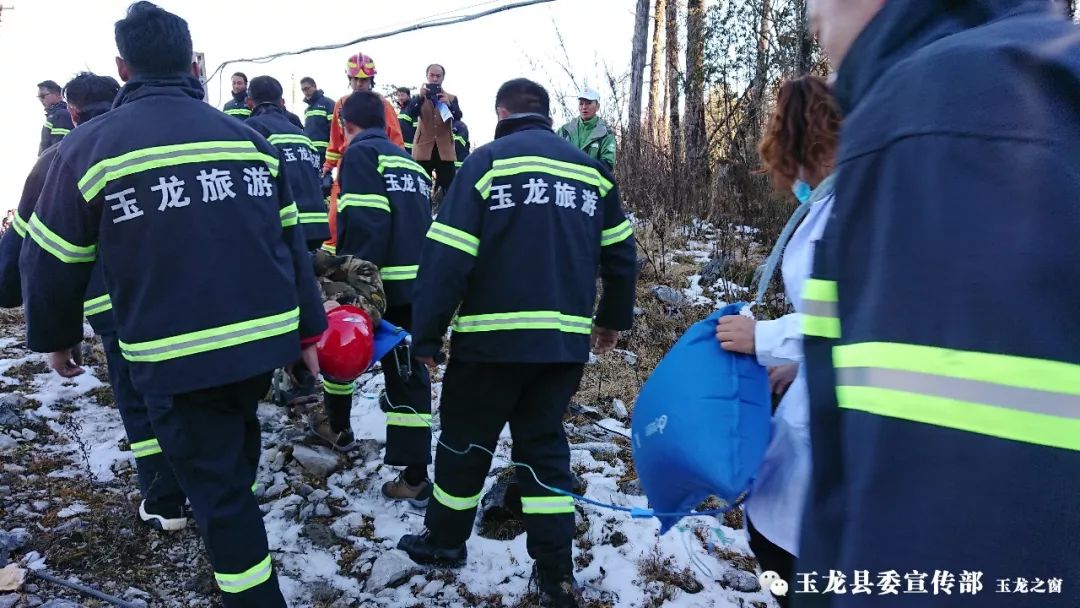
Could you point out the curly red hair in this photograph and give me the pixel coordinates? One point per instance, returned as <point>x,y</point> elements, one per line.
<point>803,131</point>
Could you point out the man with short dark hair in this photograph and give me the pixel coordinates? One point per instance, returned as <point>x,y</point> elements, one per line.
<point>300,155</point>
<point>938,402</point>
<point>384,211</point>
<point>402,95</point>
<point>170,187</point>
<point>88,96</point>
<point>433,111</point>
<point>521,333</point>
<point>237,106</point>
<point>317,117</point>
<point>57,120</point>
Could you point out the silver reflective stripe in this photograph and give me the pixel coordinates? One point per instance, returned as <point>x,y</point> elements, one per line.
<point>583,174</point>
<point>471,246</point>
<point>553,320</point>
<point>62,246</point>
<point>90,181</point>
<point>819,308</point>
<point>958,389</point>
<point>240,333</point>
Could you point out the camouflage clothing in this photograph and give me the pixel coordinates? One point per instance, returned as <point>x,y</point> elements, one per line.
<point>350,280</point>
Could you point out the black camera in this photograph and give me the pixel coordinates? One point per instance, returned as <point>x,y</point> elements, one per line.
<point>433,91</point>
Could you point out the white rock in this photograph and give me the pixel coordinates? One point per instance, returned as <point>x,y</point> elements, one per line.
<point>620,409</point>
<point>29,435</point>
<point>318,461</point>
<point>391,569</point>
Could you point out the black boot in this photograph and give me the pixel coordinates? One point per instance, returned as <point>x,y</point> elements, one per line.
<point>558,589</point>
<point>422,551</point>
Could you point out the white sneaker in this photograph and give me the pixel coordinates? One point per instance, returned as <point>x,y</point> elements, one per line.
<point>161,522</point>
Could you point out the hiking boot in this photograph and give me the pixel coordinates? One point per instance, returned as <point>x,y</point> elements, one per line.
<point>320,427</point>
<point>557,587</point>
<point>399,489</point>
<point>422,551</point>
<point>162,516</point>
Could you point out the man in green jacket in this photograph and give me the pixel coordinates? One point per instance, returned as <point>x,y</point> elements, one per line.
<point>588,132</point>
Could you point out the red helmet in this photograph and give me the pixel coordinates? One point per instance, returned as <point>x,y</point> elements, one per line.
<point>360,66</point>
<point>348,344</point>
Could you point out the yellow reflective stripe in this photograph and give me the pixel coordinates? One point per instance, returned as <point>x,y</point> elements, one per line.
<point>19,225</point>
<point>617,234</point>
<point>334,388</point>
<point>534,319</point>
<point>48,125</point>
<point>289,214</point>
<point>157,157</point>
<point>314,217</point>
<point>457,503</point>
<point>1005,396</point>
<point>142,449</point>
<point>254,486</point>
<point>214,338</point>
<point>820,289</point>
<point>373,201</point>
<point>311,113</point>
<point>537,164</point>
<point>59,131</point>
<point>329,248</point>
<point>61,249</point>
<point>320,144</point>
<point>820,327</point>
<point>252,577</point>
<point>399,162</point>
<point>461,140</point>
<point>408,146</point>
<point>399,273</point>
<point>453,237</point>
<point>458,164</point>
<point>408,419</point>
<point>406,118</point>
<point>333,155</point>
<point>96,306</point>
<point>238,112</point>
<point>547,505</point>
<point>289,138</point>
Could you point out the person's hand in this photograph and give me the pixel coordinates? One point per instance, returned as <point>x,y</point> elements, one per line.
<point>603,340</point>
<point>443,97</point>
<point>736,334</point>
<point>325,171</point>
<point>781,377</point>
<point>310,356</point>
<point>64,364</point>
<point>423,90</point>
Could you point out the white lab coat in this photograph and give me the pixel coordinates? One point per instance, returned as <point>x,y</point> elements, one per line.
<point>779,491</point>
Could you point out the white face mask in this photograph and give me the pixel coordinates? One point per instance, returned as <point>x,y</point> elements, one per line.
<point>801,190</point>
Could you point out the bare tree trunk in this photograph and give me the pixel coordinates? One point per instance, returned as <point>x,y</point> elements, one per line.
<point>672,47</point>
<point>761,69</point>
<point>805,42</point>
<point>637,69</point>
<point>697,149</point>
<point>653,118</point>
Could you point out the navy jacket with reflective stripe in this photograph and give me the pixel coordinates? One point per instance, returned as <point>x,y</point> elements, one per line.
<point>519,236</point>
<point>317,121</point>
<point>57,125</point>
<point>302,167</point>
<point>237,106</point>
<point>407,124</point>
<point>954,232</point>
<point>384,210</point>
<point>207,271</point>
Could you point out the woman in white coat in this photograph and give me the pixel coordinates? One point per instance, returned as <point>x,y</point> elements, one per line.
<point>798,152</point>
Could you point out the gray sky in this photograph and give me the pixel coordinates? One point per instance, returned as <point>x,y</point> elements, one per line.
<point>54,39</point>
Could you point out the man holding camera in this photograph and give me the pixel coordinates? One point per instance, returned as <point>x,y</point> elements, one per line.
<point>434,111</point>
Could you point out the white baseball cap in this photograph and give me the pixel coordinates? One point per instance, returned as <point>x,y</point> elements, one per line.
<point>589,93</point>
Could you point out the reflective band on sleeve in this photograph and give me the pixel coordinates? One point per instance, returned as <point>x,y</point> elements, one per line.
<point>214,338</point>
<point>399,162</point>
<point>510,321</point>
<point>617,234</point>
<point>398,273</point>
<point>547,505</point>
<point>461,140</point>
<point>287,138</point>
<point>456,503</point>
<point>96,306</point>
<point>254,486</point>
<point>48,125</point>
<point>320,144</point>
<point>408,146</point>
<point>820,317</point>
<point>1016,398</point>
<point>314,217</point>
<point>289,215</point>
<point>64,251</point>
<point>146,448</point>
<point>252,577</point>
<point>458,164</point>
<point>538,164</point>
<point>406,118</point>
<point>157,157</point>
<point>328,248</point>
<point>408,419</point>
<point>452,237</point>
<point>59,131</point>
<point>19,225</point>
<point>334,388</point>
<point>238,112</point>
<point>311,113</point>
<point>333,155</point>
<point>373,201</point>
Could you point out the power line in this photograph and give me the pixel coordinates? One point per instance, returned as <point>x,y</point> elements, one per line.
<point>409,28</point>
